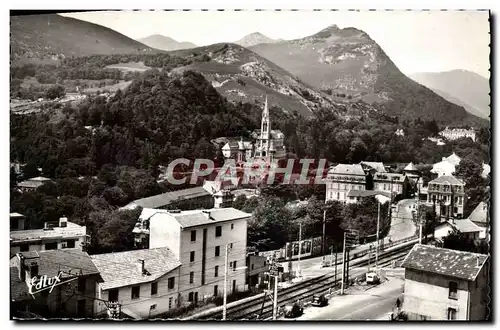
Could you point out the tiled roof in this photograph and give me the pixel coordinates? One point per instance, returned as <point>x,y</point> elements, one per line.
<point>378,166</point>
<point>367,193</point>
<point>198,217</point>
<point>33,182</point>
<point>453,159</point>
<point>388,176</point>
<point>16,215</point>
<point>350,169</point>
<point>72,230</point>
<point>18,288</point>
<point>458,264</point>
<point>50,262</point>
<point>466,226</point>
<point>195,218</point>
<point>162,200</point>
<point>121,269</point>
<point>447,179</point>
<point>480,213</point>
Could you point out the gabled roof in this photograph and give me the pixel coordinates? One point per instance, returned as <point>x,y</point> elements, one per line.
<point>119,269</point>
<point>16,215</point>
<point>410,167</point>
<point>162,200</point>
<point>377,166</point>
<point>466,226</point>
<point>50,262</point>
<point>347,169</point>
<point>33,182</point>
<point>447,179</point>
<point>480,213</point>
<point>453,159</point>
<point>458,264</point>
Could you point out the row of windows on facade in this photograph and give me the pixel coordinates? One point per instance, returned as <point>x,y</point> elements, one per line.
<point>136,290</point>
<point>67,244</point>
<point>445,187</point>
<point>447,199</point>
<point>218,232</point>
<point>192,254</point>
<point>345,186</point>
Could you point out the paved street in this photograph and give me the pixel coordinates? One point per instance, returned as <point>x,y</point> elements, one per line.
<point>359,303</point>
<point>402,225</point>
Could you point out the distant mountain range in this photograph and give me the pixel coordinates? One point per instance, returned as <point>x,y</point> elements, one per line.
<point>162,42</point>
<point>462,87</point>
<point>348,63</point>
<point>46,38</point>
<point>339,69</point>
<point>255,38</point>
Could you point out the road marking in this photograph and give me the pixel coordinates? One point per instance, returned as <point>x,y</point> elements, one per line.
<point>373,304</point>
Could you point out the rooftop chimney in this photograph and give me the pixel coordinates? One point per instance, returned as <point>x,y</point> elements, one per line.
<point>20,268</point>
<point>63,222</point>
<point>141,264</point>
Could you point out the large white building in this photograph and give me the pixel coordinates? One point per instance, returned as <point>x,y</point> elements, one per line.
<point>342,179</point>
<point>198,239</point>
<point>458,133</point>
<point>65,235</point>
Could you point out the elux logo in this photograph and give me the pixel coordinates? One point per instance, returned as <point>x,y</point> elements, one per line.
<point>46,282</point>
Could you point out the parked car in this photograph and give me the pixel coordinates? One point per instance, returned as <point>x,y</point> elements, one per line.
<point>319,300</point>
<point>293,310</point>
<point>372,278</point>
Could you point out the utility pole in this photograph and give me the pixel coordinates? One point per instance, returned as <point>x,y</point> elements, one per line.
<point>290,258</point>
<point>369,257</point>
<point>343,267</point>
<point>378,242</point>
<point>323,239</point>
<point>224,308</point>
<point>275,300</point>
<point>300,248</point>
<point>418,213</point>
<point>335,263</point>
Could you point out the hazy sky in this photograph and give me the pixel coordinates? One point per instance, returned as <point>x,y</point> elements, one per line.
<point>417,41</point>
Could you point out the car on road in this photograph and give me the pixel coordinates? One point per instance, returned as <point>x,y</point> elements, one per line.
<point>319,300</point>
<point>372,278</point>
<point>293,310</point>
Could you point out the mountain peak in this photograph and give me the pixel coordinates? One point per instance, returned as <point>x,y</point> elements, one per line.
<point>334,30</point>
<point>253,39</point>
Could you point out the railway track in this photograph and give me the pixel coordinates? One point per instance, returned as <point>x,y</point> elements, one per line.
<point>252,308</point>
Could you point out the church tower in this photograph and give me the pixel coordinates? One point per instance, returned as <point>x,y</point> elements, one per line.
<point>265,132</point>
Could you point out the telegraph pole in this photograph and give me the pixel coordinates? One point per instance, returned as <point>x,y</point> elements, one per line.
<point>335,262</point>
<point>224,308</point>
<point>323,239</point>
<point>290,259</point>
<point>300,248</point>
<point>343,267</point>
<point>275,300</point>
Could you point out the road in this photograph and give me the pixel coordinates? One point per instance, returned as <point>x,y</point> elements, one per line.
<point>360,303</point>
<point>402,226</point>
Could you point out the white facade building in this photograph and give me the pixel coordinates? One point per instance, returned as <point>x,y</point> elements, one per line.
<point>458,133</point>
<point>144,282</point>
<point>66,235</point>
<point>198,239</point>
